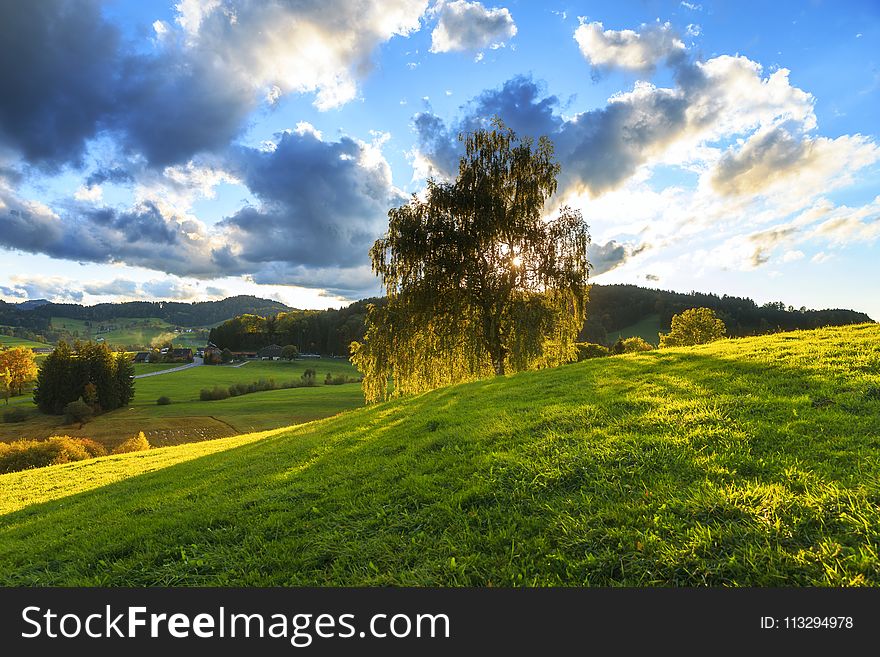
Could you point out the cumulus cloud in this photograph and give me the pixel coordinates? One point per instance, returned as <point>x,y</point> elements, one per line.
<point>778,156</point>
<point>68,78</point>
<point>51,288</point>
<point>470,26</point>
<point>775,167</point>
<point>627,49</point>
<point>57,62</point>
<point>322,204</point>
<point>141,235</point>
<point>605,257</point>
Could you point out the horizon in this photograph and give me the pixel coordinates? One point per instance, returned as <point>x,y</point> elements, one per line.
<point>348,303</point>
<point>222,148</point>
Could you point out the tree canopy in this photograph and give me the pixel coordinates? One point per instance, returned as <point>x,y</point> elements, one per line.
<point>693,326</point>
<point>89,371</point>
<point>17,367</point>
<point>478,280</point>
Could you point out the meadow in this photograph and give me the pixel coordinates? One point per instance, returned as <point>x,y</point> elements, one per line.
<point>188,419</point>
<point>749,462</point>
<point>130,331</point>
<point>10,341</point>
<point>648,329</point>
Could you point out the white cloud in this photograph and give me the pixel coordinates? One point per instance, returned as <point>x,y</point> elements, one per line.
<point>470,26</point>
<point>320,47</point>
<point>628,49</point>
<point>91,194</point>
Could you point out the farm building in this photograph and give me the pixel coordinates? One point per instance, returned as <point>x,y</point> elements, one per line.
<point>272,352</point>
<point>184,354</point>
<point>142,357</point>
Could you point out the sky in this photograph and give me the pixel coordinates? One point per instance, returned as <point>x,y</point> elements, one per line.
<point>196,150</point>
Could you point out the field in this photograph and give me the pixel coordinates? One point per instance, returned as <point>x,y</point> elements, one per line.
<point>750,462</point>
<point>648,329</point>
<point>187,418</point>
<point>129,331</point>
<point>10,341</point>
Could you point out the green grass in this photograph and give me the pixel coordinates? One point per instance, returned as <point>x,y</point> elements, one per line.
<point>648,329</point>
<point>188,419</point>
<point>752,462</point>
<point>10,341</point>
<point>128,331</point>
<point>149,368</point>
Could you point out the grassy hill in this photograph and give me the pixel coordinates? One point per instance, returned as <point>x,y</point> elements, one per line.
<point>648,329</point>
<point>124,331</point>
<point>10,341</point>
<point>745,462</point>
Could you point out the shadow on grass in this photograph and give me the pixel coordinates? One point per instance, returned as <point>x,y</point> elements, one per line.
<point>674,468</point>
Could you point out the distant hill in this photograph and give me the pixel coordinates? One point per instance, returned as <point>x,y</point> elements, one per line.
<point>34,321</point>
<point>628,309</point>
<point>30,304</point>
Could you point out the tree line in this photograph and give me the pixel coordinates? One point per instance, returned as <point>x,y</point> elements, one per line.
<point>609,308</point>
<point>199,313</point>
<point>87,373</point>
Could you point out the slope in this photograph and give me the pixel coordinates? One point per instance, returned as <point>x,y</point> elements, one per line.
<point>745,462</point>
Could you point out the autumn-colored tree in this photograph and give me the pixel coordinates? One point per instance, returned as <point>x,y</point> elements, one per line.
<point>478,280</point>
<point>693,326</point>
<point>21,366</point>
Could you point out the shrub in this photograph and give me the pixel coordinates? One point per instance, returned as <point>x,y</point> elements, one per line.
<point>137,444</point>
<point>693,326</point>
<point>208,394</point>
<point>15,415</point>
<point>587,350</point>
<point>635,344</point>
<point>78,411</point>
<point>25,454</point>
<point>308,377</point>
<point>163,400</point>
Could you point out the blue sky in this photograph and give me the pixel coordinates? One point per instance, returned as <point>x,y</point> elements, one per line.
<point>200,149</point>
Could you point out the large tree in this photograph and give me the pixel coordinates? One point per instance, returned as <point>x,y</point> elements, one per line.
<point>19,367</point>
<point>478,279</point>
<point>693,326</point>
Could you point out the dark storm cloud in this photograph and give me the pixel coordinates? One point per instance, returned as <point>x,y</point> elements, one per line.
<point>177,104</point>
<point>605,257</point>
<point>598,150</point>
<point>113,175</point>
<point>57,68</point>
<point>321,203</point>
<point>141,236</point>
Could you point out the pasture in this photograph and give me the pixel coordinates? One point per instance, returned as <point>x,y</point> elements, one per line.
<point>749,462</point>
<point>188,419</point>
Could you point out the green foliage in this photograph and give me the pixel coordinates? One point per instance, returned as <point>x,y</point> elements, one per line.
<point>214,394</point>
<point>138,443</point>
<point>78,411</point>
<point>26,454</point>
<point>89,371</point>
<point>16,414</point>
<point>634,345</point>
<point>477,280</point>
<point>289,352</point>
<point>693,326</point>
<point>587,350</point>
<point>163,400</point>
<point>226,355</point>
<point>308,376</point>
